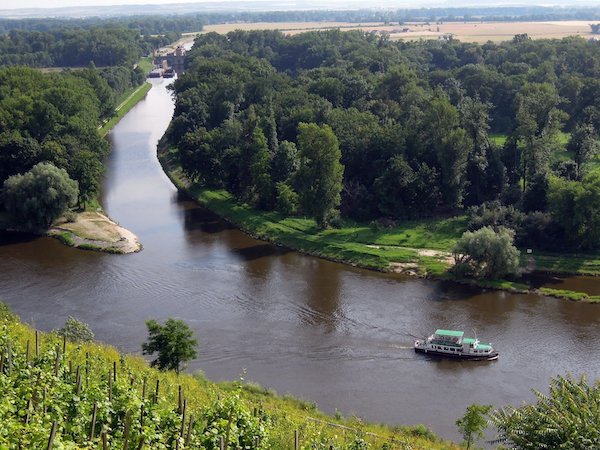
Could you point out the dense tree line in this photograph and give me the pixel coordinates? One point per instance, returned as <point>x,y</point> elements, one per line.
<point>412,121</point>
<point>190,21</point>
<point>145,25</point>
<point>65,47</point>
<point>49,122</point>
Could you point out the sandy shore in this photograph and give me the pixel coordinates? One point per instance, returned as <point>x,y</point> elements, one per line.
<point>95,231</point>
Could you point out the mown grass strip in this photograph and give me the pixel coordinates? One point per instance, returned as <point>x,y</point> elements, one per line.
<point>131,99</point>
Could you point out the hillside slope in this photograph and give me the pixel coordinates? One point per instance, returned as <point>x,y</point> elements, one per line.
<point>63,395</point>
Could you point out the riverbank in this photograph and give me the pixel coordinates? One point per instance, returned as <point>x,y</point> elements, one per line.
<point>131,99</point>
<point>414,248</point>
<point>166,403</point>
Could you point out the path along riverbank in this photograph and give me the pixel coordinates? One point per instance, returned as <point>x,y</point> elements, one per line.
<point>418,249</point>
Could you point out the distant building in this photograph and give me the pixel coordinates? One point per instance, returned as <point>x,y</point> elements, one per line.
<point>174,60</point>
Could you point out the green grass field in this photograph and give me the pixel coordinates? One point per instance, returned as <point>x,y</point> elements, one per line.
<point>95,397</point>
<point>146,63</point>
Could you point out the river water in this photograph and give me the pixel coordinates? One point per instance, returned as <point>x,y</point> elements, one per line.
<point>332,334</point>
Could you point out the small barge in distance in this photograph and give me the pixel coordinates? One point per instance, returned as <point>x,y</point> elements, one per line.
<point>453,344</point>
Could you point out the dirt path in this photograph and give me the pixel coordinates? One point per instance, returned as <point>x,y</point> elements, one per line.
<point>95,231</point>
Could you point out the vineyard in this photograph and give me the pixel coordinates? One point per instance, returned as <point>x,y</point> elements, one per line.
<point>56,394</point>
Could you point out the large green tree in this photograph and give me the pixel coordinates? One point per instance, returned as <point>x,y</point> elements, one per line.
<point>486,253</point>
<point>38,197</point>
<point>584,145</point>
<point>319,178</point>
<point>173,342</point>
<point>538,121</point>
<point>575,206</point>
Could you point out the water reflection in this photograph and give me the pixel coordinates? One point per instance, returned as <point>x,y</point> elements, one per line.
<point>322,297</point>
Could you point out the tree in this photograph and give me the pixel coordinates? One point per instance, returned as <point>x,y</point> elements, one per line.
<point>319,178</point>
<point>286,200</point>
<point>575,206</point>
<point>18,154</point>
<point>173,342</point>
<point>538,121</point>
<point>87,169</point>
<point>285,161</point>
<point>584,145</point>
<point>486,253</point>
<point>565,418</point>
<point>39,197</point>
<point>481,183</point>
<point>260,169</point>
<point>76,331</point>
<point>473,423</point>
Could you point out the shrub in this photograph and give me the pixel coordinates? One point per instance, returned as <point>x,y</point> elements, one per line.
<point>70,216</point>
<point>486,253</point>
<point>565,418</point>
<point>40,196</point>
<point>287,199</point>
<point>76,331</point>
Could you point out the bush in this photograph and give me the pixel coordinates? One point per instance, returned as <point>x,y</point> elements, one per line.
<point>70,216</point>
<point>40,196</point>
<point>494,214</point>
<point>6,314</point>
<point>565,418</point>
<point>76,331</point>
<point>486,253</point>
<point>286,200</point>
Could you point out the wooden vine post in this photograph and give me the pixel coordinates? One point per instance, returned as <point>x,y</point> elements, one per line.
<point>52,434</point>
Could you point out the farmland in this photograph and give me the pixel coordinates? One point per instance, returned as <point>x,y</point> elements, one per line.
<point>464,31</point>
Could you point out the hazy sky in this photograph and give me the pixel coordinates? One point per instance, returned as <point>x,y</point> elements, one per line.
<point>18,4</point>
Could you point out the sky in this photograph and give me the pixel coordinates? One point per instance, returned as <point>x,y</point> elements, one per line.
<point>19,4</point>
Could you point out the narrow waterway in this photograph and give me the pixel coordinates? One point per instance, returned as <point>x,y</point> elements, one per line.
<point>332,334</point>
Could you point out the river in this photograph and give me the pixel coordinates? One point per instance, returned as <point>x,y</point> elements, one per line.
<point>325,332</point>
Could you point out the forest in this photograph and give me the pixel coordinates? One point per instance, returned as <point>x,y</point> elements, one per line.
<point>53,119</point>
<point>350,126</point>
<point>67,47</point>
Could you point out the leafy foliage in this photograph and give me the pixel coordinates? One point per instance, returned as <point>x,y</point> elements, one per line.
<point>565,418</point>
<point>486,253</point>
<point>173,342</point>
<point>412,120</point>
<point>137,406</point>
<point>76,331</point>
<point>473,423</point>
<point>39,197</point>
<point>319,177</point>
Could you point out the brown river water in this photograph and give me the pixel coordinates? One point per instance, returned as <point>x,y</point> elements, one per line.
<point>336,335</point>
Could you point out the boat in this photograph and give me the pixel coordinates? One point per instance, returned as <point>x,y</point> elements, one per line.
<point>454,344</point>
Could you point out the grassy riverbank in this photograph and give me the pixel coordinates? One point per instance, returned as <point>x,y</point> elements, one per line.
<point>45,382</point>
<point>128,101</point>
<point>418,247</point>
<point>421,248</point>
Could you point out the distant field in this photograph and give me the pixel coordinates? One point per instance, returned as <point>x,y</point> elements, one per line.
<point>468,32</point>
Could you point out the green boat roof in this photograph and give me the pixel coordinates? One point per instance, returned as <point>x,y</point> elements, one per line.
<point>449,333</point>
<point>468,340</point>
